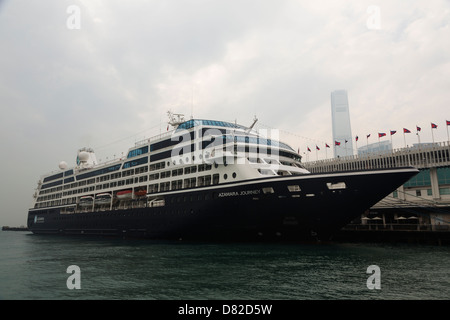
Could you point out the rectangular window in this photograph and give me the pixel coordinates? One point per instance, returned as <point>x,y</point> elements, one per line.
<point>443,175</point>
<point>294,188</point>
<point>177,184</point>
<point>420,180</point>
<point>154,176</point>
<point>137,152</point>
<point>444,191</point>
<point>189,183</point>
<point>153,188</point>
<point>268,190</point>
<point>134,163</point>
<point>336,186</point>
<point>165,186</point>
<point>418,193</point>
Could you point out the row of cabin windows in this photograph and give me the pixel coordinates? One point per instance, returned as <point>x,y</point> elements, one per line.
<point>131,172</point>
<point>174,185</point>
<point>157,187</point>
<point>201,181</point>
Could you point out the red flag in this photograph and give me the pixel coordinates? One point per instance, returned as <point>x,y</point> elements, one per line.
<point>448,122</point>
<point>368,136</point>
<point>418,128</point>
<point>393,132</point>
<point>356,138</point>
<point>326,145</point>
<point>317,147</point>
<point>337,143</point>
<point>167,127</point>
<point>381,134</point>
<point>406,130</point>
<point>309,149</point>
<point>433,126</point>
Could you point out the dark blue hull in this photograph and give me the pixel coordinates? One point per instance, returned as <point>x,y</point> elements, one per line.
<point>286,208</point>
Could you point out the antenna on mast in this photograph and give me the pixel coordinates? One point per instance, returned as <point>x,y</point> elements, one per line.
<point>192,104</point>
<point>253,124</point>
<point>175,119</point>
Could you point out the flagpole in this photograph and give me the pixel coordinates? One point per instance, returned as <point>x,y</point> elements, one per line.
<point>404,137</point>
<point>379,142</point>
<point>448,139</point>
<point>326,153</point>
<point>432,134</point>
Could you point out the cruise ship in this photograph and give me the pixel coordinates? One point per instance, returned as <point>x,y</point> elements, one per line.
<point>206,180</point>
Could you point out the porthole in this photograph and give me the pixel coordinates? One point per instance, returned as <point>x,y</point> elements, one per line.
<point>225,176</point>
<point>234,175</point>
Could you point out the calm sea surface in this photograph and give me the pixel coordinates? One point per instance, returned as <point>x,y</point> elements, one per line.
<point>35,267</point>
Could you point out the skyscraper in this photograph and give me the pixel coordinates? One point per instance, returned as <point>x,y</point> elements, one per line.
<point>342,131</point>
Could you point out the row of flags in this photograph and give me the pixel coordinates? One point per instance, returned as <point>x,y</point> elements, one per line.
<point>382,134</point>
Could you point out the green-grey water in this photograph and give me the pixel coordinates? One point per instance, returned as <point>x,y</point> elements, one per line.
<point>35,267</point>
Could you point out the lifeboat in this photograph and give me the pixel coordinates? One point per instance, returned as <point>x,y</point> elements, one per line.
<point>140,193</point>
<point>86,201</point>
<point>103,198</point>
<point>125,194</point>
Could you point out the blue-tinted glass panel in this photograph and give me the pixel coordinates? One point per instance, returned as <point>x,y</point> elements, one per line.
<point>68,173</point>
<point>137,152</point>
<point>98,172</point>
<point>420,180</point>
<point>134,163</point>
<point>443,175</point>
<point>54,177</point>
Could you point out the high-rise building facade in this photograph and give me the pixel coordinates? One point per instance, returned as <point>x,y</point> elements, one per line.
<point>342,131</point>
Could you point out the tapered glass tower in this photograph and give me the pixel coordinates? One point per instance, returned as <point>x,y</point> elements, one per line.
<point>342,131</point>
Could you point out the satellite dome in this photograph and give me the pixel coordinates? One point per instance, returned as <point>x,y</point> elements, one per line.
<point>63,165</point>
<point>83,156</point>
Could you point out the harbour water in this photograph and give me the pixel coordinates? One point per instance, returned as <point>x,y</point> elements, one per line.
<point>35,267</point>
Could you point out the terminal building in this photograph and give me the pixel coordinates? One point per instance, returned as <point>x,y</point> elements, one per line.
<point>378,147</point>
<point>420,207</point>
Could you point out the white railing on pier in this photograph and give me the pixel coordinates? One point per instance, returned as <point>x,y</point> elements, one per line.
<point>421,156</point>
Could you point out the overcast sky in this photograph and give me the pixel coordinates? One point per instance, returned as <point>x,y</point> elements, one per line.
<point>109,80</point>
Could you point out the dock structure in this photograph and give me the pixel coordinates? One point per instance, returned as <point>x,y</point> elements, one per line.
<point>418,210</point>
